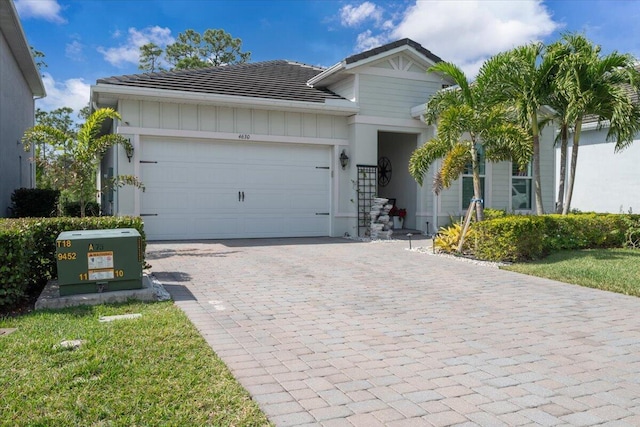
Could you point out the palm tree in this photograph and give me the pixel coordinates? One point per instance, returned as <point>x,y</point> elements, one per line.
<point>522,77</point>
<point>591,84</point>
<point>559,103</point>
<point>464,123</point>
<point>84,153</point>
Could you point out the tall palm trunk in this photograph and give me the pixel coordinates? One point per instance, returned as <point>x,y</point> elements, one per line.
<point>564,142</point>
<point>477,188</point>
<point>536,165</point>
<point>574,163</point>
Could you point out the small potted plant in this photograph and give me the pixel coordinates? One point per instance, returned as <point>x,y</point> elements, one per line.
<point>398,215</point>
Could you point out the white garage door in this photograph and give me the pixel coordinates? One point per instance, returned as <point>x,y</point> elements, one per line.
<point>220,190</point>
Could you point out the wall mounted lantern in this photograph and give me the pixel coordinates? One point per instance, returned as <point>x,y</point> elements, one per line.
<point>344,159</point>
<point>128,149</point>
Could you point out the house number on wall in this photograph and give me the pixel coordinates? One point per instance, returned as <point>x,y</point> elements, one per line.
<point>244,136</point>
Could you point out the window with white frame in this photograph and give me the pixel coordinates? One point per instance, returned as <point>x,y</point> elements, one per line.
<point>521,187</point>
<point>467,179</point>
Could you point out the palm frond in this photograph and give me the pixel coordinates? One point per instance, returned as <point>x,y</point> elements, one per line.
<point>42,134</point>
<point>91,129</point>
<point>454,163</point>
<point>422,158</point>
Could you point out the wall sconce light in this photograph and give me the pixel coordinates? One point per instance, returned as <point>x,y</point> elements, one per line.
<point>128,149</point>
<point>344,159</point>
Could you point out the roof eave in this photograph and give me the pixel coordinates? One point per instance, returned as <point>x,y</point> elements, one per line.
<point>14,34</point>
<point>330,106</point>
<point>326,73</point>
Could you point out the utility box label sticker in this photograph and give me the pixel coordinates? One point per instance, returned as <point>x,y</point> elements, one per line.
<point>101,274</point>
<point>100,260</point>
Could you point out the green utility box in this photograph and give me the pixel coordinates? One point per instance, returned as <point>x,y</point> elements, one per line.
<point>99,260</point>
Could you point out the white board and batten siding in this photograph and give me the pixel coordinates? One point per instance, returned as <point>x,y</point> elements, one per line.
<point>391,87</point>
<point>207,118</point>
<point>273,180</point>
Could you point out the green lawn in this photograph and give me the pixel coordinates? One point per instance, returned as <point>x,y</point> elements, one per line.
<point>615,270</point>
<point>153,370</point>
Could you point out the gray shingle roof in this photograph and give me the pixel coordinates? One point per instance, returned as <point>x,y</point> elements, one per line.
<point>282,80</point>
<point>390,46</point>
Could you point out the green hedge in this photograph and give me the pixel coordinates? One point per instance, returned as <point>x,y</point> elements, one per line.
<point>34,202</point>
<point>520,238</point>
<point>28,249</point>
<point>14,268</point>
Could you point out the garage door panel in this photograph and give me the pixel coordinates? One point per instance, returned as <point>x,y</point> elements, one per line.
<point>218,227</point>
<point>213,175</point>
<point>268,200</point>
<point>219,201</point>
<point>166,200</point>
<point>157,175</point>
<point>167,227</point>
<point>193,189</point>
<point>308,201</point>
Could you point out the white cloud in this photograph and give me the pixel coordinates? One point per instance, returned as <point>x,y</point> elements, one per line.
<point>463,32</point>
<point>367,40</point>
<point>48,10</point>
<point>72,93</point>
<point>74,50</point>
<point>352,16</point>
<point>130,50</point>
<point>467,32</point>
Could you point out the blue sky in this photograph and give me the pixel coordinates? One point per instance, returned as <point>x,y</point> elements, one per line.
<point>84,40</point>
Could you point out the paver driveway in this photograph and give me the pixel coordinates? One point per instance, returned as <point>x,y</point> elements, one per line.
<point>334,332</point>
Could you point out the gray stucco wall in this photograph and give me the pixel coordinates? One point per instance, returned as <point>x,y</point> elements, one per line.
<point>16,115</point>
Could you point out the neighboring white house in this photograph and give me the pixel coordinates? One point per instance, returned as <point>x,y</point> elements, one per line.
<point>254,150</point>
<point>605,181</point>
<point>20,82</point>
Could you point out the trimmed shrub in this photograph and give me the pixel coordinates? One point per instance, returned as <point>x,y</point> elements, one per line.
<point>28,249</point>
<point>14,241</point>
<point>520,238</point>
<point>35,202</point>
<point>510,239</point>
<point>490,213</point>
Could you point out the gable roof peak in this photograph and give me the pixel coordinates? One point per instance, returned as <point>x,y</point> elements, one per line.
<point>390,46</point>
<point>334,73</point>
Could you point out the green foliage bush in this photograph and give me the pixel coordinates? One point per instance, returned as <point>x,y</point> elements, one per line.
<point>494,213</point>
<point>73,209</point>
<point>520,237</point>
<point>28,249</point>
<point>632,234</point>
<point>35,202</point>
<point>14,241</point>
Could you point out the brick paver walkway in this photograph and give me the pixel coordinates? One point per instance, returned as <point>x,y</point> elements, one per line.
<point>338,333</point>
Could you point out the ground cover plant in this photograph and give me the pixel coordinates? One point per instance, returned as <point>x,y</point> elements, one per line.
<point>615,270</point>
<point>152,370</point>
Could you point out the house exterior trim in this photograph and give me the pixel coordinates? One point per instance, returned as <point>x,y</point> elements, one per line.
<point>228,136</point>
<point>14,34</point>
<point>332,107</point>
<point>382,121</point>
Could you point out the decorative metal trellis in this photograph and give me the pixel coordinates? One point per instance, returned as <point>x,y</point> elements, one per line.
<point>367,190</point>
